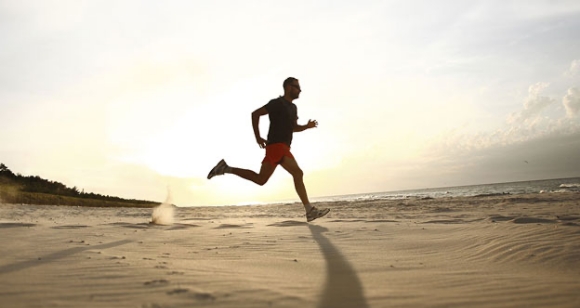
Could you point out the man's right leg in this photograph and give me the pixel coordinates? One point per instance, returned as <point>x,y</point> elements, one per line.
<point>261,178</point>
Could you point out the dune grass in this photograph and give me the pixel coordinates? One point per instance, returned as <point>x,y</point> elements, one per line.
<point>11,193</point>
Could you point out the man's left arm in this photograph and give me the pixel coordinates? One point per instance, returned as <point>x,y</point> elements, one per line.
<point>300,128</point>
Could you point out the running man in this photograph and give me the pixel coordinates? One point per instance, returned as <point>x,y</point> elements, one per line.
<point>283,116</point>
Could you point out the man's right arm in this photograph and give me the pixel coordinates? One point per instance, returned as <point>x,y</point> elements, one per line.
<point>256,125</point>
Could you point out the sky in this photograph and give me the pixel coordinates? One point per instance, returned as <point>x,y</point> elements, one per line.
<point>140,99</point>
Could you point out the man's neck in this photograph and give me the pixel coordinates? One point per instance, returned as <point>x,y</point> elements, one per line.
<point>287,98</point>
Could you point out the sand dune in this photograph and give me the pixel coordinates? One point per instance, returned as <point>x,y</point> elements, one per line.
<point>490,251</point>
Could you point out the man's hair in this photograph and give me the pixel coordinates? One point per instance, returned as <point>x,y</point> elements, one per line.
<point>288,81</point>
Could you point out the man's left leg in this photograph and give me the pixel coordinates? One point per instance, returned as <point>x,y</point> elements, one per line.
<point>292,167</point>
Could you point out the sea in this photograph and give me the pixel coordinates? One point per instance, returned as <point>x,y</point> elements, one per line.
<point>511,188</point>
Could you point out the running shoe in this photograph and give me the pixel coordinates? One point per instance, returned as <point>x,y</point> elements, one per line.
<point>219,169</point>
<point>316,213</point>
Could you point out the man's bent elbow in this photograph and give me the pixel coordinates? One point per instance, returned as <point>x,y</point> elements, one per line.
<point>259,112</point>
<point>255,116</point>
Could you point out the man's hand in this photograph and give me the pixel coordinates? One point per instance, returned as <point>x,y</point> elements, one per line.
<point>261,142</point>
<point>256,125</point>
<point>312,124</point>
<point>301,128</point>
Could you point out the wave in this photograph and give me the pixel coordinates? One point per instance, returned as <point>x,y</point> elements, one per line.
<point>571,185</point>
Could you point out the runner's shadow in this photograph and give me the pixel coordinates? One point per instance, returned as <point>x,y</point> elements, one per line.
<point>8,268</point>
<point>343,287</point>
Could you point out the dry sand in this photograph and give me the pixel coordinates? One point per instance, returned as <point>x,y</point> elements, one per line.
<point>495,251</point>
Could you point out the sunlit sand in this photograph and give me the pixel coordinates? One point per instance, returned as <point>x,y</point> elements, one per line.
<point>494,251</point>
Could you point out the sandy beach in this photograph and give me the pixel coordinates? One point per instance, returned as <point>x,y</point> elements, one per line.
<point>493,251</point>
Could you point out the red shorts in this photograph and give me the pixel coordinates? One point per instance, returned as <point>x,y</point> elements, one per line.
<point>275,152</point>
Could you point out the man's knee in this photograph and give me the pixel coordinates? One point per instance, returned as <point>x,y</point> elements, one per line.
<point>266,172</point>
<point>261,181</point>
<point>298,174</point>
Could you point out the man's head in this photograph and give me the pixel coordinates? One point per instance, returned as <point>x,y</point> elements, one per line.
<point>291,88</point>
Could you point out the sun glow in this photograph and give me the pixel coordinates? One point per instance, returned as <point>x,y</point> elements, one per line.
<point>148,97</point>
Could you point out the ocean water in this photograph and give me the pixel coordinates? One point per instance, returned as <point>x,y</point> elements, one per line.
<point>525,187</point>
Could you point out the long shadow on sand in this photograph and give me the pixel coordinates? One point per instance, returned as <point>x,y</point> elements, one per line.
<point>54,256</point>
<point>343,287</point>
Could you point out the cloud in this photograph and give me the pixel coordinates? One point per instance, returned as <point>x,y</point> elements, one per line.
<point>572,102</point>
<point>534,104</point>
<point>539,118</point>
<point>574,68</point>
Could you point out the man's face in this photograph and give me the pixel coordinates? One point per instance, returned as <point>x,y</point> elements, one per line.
<point>294,89</point>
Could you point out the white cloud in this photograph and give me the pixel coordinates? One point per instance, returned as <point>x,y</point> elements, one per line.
<point>535,120</point>
<point>572,102</point>
<point>574,68</point>
<point>534,104</point>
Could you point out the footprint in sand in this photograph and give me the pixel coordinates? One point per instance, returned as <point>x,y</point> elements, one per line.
<point>232,226</point>
<point>532,220</point>
<point>175,273</point>
<point>15,225</point>
<point>156,283</point>
<point>64,227</point>
<point>177,291</point>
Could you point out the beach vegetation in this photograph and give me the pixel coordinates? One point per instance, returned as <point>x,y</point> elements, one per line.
<point>19,189</point>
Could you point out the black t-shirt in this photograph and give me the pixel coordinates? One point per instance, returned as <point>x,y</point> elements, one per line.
<point>283,115</point>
